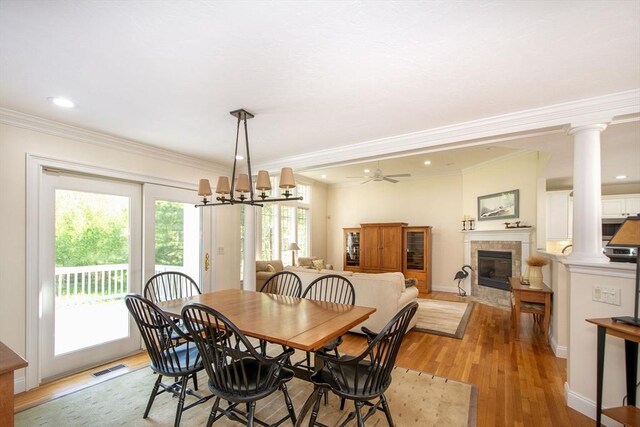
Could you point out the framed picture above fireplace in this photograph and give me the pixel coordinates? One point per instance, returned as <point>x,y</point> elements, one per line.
<point>498,205</point>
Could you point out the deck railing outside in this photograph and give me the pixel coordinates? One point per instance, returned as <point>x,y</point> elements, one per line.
<point>93,283</point>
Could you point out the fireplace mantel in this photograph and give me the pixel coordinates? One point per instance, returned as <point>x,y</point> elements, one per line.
<point>522,235</point>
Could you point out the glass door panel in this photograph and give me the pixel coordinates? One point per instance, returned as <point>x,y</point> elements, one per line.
<point>176,234</point>
<point>415,250</point>
<point>90,256</point>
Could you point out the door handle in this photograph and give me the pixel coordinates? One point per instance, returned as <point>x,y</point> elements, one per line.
<point>207,261</point>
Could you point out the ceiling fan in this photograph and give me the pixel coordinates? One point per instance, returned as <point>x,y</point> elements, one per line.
<point>379,176</point>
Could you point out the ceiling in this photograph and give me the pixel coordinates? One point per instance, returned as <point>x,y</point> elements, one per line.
<point>320,75</point>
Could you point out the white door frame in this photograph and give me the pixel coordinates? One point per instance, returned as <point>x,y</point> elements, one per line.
<point>34,168</point>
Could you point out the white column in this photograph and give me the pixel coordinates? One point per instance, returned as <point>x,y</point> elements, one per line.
<point>587,215</point>
<point>249,277</point>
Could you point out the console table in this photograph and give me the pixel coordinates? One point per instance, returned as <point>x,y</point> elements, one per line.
<point>531,294</point>
<point>9,362</point>
<point>629,415</point>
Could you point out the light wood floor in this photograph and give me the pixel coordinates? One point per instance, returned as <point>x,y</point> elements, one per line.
<point>520,383</point>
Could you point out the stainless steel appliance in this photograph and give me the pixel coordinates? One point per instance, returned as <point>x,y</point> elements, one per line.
<point>616,254</point>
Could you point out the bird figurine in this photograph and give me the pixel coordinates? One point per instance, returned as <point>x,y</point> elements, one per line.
<point>460,276</point>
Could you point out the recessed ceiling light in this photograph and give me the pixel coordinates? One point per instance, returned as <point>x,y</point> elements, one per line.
<point>61,102</point>
<point>323,176</point>
<point>427,162</point>
<point>621,177</point>
<point>239,157</point>
<point>367,171</point>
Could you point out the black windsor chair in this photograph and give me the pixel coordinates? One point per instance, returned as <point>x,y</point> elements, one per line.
<point>367,376</point>
<point>281,283</point>
<point>178,359</point>
<point>331,288</point>
<point>170,285</point>
<point>237,372</point>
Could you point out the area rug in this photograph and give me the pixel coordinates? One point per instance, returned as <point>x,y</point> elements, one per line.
<point>415,398</point>
<point>446,318</point>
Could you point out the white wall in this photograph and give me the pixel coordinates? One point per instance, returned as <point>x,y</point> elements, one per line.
<point>435,202</point>
<point>581,363</point>
<point>518,172</point>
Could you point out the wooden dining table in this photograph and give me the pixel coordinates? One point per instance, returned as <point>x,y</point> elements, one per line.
<point>299,323</point>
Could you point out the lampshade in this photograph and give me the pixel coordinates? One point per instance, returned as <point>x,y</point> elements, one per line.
<point>204,188</point>
<point>242,186</point>
<point>294,246</point>
<point>264,183</point>
<point>286,178</point>
<point>628,235</point>
<point>223,185</point>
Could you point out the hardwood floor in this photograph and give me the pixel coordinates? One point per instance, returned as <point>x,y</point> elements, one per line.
<point>519,383</point>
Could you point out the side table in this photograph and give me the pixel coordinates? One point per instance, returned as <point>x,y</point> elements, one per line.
<point>9,362</point>
<point>628,415</point>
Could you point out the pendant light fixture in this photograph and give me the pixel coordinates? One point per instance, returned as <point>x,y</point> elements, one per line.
<point>243,184</point>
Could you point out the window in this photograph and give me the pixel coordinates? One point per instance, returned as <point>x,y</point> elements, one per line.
<point>281,224</point>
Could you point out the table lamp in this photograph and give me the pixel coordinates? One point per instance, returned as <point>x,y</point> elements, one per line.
<point>628,236</point>
<point>293,247</point>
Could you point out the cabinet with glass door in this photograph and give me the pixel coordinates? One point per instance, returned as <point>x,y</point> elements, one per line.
<point>351,261</point>
<point>417,257</point>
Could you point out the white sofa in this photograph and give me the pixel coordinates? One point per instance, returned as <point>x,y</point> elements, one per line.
<point>386,292</point>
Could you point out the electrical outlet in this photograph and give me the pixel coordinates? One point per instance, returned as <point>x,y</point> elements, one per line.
<point>607,295</point>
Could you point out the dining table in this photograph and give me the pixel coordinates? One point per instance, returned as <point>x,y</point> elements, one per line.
<point>299,323</point>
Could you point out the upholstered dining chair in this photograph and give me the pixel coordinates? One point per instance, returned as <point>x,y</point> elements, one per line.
<point>365,377</point>
<point>237,373</point>
<point>178,359</point>
<point>331,288</point>
<point>170,285</point>
<point>283,283</point>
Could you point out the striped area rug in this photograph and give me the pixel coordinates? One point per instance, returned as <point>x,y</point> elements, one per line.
<point>446,318</point>
<point>415,398</point>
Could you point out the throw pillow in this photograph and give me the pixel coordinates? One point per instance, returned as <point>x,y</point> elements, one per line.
<point>410,282</point>
<point>318,264</point>
<point>271,268</point>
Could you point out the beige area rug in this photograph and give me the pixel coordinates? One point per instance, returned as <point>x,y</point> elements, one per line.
<point>446,318</point>
<point>415,398</point>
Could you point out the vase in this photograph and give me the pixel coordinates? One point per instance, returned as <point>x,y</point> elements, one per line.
<point>534,274</point>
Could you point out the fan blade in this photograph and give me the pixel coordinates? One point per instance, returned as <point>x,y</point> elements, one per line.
<point>364,182</point>
<point>399,175</point>
<point>386,178</point>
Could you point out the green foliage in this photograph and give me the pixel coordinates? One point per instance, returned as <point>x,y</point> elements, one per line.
<point>91,229</point>
<point>169,233</point>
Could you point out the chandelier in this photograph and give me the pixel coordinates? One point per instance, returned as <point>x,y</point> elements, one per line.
<point>243,184</point>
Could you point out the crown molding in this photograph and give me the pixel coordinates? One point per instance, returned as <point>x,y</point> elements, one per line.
<point>557,115</point>
<point>50,127</point>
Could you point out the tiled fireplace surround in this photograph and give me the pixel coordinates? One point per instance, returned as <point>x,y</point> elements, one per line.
<point>516,241</point>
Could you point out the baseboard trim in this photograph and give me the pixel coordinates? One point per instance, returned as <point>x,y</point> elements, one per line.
<point>585,406</point>
<point>19,385</point>
<point>559,350</point>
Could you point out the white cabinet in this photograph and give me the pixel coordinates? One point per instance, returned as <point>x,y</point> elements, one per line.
<point>559,215</point>
<point>620,206</point>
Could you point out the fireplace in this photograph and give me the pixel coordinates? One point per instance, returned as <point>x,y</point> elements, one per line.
<point>494,269</point>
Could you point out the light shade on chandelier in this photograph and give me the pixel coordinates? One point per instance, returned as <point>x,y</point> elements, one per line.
<point>244,182</point>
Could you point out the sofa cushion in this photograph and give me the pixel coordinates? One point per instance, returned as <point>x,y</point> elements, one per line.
<point>306,261</point>
<point>271,268</point>
<point>275,263</point>
<point>318,264</point>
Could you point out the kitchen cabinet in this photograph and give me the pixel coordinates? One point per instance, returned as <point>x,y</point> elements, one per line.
<point>381,247</point>
<point>620,206</point>
<point>416,262</point>
<point>559,215</point>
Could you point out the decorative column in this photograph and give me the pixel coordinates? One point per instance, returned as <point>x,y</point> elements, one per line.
<point>587,194</point>
<point>249,276</point>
